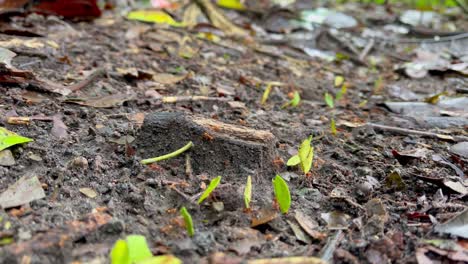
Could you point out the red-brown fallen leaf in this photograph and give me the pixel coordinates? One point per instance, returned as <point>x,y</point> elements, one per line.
<point>83,9</point>
<point>68,8</point>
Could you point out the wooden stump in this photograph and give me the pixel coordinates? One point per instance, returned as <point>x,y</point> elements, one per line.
<point>219,148</point>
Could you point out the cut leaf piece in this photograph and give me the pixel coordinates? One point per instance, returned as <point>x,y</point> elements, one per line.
<point>248,192</point>
<point>231,4</point>
<point>138,248</point>
<point>8,138</point>
<point>153,16</point>
<point>188,221</point>
<point>329,100</point>
<point>293,161</point>
<point>282,194</point>
<point>213,184</point>
<point>119,253</point>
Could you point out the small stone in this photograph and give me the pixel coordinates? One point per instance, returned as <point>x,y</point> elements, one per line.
<point>218,206</point>
<point>80,163</point>
<point>90,193</point>
<point>6,158</point>
<point>34,157</point>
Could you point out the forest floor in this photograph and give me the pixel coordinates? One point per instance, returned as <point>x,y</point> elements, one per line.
<point>92,95</point>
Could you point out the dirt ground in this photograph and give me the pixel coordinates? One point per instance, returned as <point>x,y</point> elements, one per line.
<point>365,200</point>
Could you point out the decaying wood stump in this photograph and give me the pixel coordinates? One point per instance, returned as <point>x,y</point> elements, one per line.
<point>219,148</point>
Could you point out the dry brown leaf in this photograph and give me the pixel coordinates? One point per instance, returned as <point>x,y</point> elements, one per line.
<point>105,101</point>
<point>167,78</point>
<point>218,19</point>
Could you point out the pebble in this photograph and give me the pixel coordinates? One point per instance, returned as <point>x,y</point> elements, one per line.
<point>80,163</point>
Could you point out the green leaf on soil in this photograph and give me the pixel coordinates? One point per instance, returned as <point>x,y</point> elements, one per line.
<point>6,240</point>
<point>188,221</point>
<point>213,184</point>
<point>329,100</point>
<point>394,180</point>
<point>293,161</point>
<point>283,197</point>
<point>153,16</point>
<point>248,192</point>
<point>8,139</point>
<point>333,127</point>
<point>119,253</point>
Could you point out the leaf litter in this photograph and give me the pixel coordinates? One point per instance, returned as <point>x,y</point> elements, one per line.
<point>385,104</point>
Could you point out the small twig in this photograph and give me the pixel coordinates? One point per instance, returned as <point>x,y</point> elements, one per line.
<point>406,131</point>
<point>88,80</point>
<point>188,166</point>
<point>168,156</point>
<point>366,49</point>
<point>194,98</point>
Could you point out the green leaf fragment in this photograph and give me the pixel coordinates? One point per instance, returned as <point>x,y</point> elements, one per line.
<point>266,93</point>
<point>341,92</point>
<point>329,100</point>
<point>282,194</point>
<point>333,127</point>
<point>231,4</point>
<point>339,80</point>
<point>138,249</point>
<point>293,161</point>
<point>296,99</point>
<point>188,221</point>
<point>213,184</point>
<point>8,139</point>
<point>119,253</point>
<point>248,192</point>
<point>306,155</point>
<point>153,16</point>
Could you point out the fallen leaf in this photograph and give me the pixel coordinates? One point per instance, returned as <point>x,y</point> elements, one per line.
<point>309,225</point>
<point>25,190</point>
<point>300,235</point>
<point>167,78</point>
<point>457,226</point>
<point>336,220</point>
<point>218,19</point>
<point>104,101</point>
<point>263,216</point>
<point>461,149</point>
